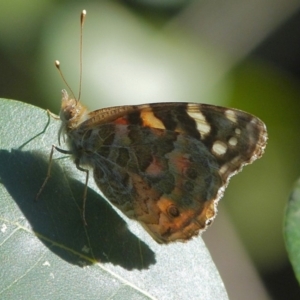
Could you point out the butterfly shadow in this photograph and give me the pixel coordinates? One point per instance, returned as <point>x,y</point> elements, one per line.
<point>56,217</point>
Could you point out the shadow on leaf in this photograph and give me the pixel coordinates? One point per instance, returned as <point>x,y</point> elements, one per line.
<point>56,217</point>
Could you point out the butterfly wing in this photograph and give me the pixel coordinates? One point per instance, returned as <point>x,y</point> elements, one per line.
<point>167,164</point>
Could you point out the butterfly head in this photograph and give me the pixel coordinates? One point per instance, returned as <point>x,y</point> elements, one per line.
<point>72,113</point>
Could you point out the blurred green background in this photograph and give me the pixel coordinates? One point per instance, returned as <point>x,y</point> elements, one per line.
<point>238,53</point>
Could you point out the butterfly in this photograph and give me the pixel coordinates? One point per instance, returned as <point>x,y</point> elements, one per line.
<point>165,165</point>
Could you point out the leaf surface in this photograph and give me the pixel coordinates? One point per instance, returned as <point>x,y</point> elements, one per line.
<point>45,249</point>
<point>292,229</point>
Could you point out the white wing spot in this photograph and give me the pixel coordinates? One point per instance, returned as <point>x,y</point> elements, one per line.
<point>202,124</point>
<point>219,148</point>
<point>231,115</point>
<point>223,169</point>
<point>233,141</point>
<point>238,131</point>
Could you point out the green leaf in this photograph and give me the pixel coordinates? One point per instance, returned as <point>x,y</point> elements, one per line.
<point>45,249</point>
<point>292,229</point>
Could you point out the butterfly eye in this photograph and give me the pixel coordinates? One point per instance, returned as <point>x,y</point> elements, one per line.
<point>173,211</point>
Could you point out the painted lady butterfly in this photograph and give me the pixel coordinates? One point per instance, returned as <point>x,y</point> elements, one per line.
<point>165,165</point>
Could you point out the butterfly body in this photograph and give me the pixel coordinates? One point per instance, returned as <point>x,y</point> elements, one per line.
<point>165,165</point>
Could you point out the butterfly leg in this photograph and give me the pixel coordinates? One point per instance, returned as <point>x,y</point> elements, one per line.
<point>77,161</point>
<point>50,114</point>
<point>49,168</point>
<point>53,115</point>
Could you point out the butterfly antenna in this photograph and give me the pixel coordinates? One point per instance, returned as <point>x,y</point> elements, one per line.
<point>57,65</point>
<point>82,19</point>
